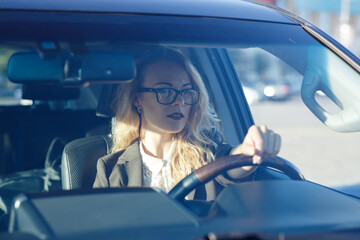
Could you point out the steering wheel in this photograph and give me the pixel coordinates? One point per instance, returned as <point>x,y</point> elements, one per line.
<point>221,165</point>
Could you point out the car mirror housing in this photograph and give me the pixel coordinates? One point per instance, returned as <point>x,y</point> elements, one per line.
<point>29,67</point>
<point>80,69</point>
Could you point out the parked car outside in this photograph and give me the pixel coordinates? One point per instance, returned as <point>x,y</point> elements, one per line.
<point>277,91</point>
<point>68,57</point>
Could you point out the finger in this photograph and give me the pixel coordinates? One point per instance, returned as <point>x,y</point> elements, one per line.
<point>269,142</point>
<point>263,128</point>
<point>257,159</point>
<point>248,149</point>
<point>244,148</point>
<point>266,136</point>
<point>277,144</point>
<point>257,138</point>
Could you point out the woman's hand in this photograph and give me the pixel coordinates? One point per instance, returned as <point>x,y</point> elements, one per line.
<point>260,142</point>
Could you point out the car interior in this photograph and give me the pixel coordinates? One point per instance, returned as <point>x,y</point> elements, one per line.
<point>59,137</point>
<point>52,137</point>
<point>52,142</point>
<point>60,65</point>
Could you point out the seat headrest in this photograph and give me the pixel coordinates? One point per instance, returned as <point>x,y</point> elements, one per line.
<point>104,105</point>
<point>79,159</point>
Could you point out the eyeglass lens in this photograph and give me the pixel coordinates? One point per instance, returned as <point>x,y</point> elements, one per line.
<point>167,96</point>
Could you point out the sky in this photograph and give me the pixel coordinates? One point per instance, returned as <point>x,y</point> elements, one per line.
<point>324,5</point>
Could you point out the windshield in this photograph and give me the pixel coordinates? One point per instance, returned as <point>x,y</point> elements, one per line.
<point>265,62</point>
<point>274,92</point>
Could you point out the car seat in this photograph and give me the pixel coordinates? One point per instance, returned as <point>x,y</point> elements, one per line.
<point>78,164</point>
<point>79,158</point>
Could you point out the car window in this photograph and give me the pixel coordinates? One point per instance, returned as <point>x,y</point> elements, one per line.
<point>273,90</point>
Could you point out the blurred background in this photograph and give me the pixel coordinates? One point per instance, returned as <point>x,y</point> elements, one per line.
<point>338,18</point>
<point>273,92</point>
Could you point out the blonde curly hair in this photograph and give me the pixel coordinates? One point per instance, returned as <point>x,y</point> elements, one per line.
<point>194,143</point>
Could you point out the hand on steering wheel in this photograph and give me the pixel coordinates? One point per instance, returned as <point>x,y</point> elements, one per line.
<point>221,165</point>
<point>259,142</point>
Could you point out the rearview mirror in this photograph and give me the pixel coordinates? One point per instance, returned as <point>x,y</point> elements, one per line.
<point>28,67</point>
<point>95,67</point>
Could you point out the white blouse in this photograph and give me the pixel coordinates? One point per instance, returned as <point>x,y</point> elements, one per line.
<point>156,170</point>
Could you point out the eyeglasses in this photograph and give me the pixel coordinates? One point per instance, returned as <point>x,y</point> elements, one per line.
<point>168,96</point>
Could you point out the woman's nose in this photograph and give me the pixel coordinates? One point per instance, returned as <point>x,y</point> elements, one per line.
<point>179,100</point>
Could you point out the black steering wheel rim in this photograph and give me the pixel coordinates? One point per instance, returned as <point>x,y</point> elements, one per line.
<point>221,165</point>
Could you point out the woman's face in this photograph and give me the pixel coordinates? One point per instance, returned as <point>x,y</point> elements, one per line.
<point>156,117</point>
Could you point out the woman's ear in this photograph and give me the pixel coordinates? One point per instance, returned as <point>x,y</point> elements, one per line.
<point>136,101</point>
<point>137,105</point>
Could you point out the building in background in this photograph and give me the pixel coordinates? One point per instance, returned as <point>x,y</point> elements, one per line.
<point>338,18</point>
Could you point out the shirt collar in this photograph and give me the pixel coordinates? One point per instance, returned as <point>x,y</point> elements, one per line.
<point>155,164</point>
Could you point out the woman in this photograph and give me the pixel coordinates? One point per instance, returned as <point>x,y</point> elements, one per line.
<point>165,128</point>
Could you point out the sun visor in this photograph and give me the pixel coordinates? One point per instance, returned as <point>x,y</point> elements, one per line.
<point>49,92</point>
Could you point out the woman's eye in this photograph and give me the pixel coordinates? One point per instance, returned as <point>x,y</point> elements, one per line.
<point>190,93</point>
<point>166,92</point>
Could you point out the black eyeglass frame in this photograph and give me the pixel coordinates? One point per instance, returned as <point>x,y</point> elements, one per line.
<point>157,90</point>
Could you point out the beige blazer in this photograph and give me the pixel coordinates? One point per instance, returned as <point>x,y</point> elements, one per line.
<point>124,169</point>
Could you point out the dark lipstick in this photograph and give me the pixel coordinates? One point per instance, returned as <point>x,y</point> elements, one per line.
<point>176,116</point>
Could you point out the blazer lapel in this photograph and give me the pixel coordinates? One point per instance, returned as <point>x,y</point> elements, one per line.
<point>133,165</point>
<point>129,166</point>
